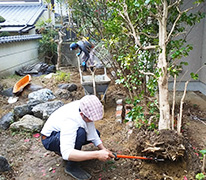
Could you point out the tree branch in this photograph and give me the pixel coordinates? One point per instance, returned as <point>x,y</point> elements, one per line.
<point>147,73</point>
<point>149,36</point>
<point>178,34</point>
<point>150,99</point>
<point>174,4</point>
<point>149,47</point>
<point>177,19</point>
<point>127,19</point>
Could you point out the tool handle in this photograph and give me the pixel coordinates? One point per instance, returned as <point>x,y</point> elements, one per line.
<point>132,157</point>
<point>117,156</point>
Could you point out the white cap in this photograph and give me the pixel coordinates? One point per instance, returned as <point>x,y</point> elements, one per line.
<point>91,107</point>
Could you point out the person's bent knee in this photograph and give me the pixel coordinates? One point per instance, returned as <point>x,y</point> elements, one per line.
<point>81,133</point>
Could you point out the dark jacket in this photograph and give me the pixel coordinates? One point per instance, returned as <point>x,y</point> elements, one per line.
<point>86,47</point>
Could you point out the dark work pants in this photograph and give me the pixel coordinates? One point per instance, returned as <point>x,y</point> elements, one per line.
<point>52,142</point>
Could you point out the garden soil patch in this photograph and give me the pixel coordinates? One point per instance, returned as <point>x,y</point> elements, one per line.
<point>30,161</point>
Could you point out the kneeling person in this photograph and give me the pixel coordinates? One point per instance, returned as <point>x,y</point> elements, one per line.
<point>72,126</point>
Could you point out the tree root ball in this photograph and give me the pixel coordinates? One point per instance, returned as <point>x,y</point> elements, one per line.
<point>165,144</point>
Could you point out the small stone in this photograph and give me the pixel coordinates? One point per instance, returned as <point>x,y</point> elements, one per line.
<point>4,165</point>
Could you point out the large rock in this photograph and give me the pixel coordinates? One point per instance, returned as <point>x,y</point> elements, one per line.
<point>34,87</point>
<point>6,120</point>
<point>4,165</point>
<point>28,123</point>
<point>69,86</point>
<point>20,111</point>
<point>42,95</point>
<point>44,110</point>
<point>63,94</point>
<point>8,92</point>
<point>32,102</point>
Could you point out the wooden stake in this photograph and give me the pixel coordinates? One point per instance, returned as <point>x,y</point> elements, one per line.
<point>181,109</point>
<point>178,124</point>
<point>173,102</point>
<point>203,165</point>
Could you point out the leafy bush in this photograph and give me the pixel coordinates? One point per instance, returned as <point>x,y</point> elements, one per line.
<point>200,176</point>
<point>63,76</point>
<point>140,117</point>
<point>2,19</point>
<point>4,34</point>
<point>47,46</point>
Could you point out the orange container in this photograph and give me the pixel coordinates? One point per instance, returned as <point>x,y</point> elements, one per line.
<point>22,83</point>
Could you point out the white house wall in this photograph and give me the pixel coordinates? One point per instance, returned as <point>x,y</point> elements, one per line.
<point>195,38</point>
<point>17,54</point>
<point>196,58</point>
<point>203,62</point>
<point>44,17</point>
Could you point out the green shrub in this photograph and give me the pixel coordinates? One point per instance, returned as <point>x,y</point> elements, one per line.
<point>4,34</point>
<point>62,76</point>
<point>47,45</point>
<point>2,19</point>
<point>200,176</point>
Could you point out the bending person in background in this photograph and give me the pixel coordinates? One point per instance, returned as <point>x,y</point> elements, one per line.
<point>84,46</point>
<point>72,126</point>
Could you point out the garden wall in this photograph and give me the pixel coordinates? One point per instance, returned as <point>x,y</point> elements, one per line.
<point>17,53</point>
<point>69,57</point>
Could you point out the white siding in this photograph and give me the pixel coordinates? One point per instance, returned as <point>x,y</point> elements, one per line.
<point>17,54</point>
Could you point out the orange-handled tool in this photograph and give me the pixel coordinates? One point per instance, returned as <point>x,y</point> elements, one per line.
<point>117,156</point>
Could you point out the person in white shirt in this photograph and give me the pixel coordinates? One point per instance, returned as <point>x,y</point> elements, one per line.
<point>72,126</point>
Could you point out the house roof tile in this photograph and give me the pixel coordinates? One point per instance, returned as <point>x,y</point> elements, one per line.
<point>9,39</point>
<point>20,15</point>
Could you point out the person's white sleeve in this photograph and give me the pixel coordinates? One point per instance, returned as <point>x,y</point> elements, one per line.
<point>97,141</point>
<point>92,134</point>
<point>67,139</point>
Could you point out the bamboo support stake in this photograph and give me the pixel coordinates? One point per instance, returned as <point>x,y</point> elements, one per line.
<point>178,124</point>
<point>173,102</point>
<point>181,109</point>
<point>204,162</point>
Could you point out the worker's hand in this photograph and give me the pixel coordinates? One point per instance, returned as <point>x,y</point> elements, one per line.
<point>104,155</point>
<point>78,54</point>
<point>111,154</point>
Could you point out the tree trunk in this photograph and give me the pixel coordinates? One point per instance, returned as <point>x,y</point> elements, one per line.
<point>59,52</point>
<point>164,121</point>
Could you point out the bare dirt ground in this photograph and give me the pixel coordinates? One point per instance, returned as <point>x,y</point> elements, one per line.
<point>30,161</point>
